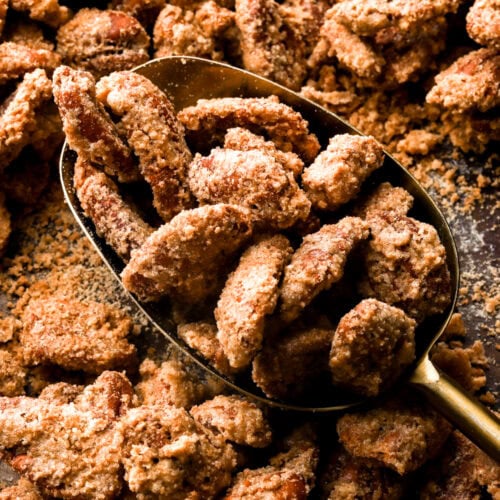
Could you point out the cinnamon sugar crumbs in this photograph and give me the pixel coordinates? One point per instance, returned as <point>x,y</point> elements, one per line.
<point>418,142</point>
<point>465,365</point>
<point>52,258</point>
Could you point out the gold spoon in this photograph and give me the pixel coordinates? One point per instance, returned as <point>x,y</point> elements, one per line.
<point>187,79</point>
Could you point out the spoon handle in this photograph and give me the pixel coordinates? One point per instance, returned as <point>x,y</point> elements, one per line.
<point>480,425</point>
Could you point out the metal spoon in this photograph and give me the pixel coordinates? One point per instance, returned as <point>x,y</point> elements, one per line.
<point>187,79</point>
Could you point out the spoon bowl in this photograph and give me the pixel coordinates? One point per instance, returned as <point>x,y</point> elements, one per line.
<point>187,79</point>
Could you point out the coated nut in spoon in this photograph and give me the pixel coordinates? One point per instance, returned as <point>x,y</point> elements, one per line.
<point>187,79</point>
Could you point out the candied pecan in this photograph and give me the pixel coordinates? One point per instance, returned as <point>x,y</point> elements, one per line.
<point>176,33</point>
<point>336,175</point>
<point>402,37</point>
<point>290,474</point>
<point>214,18</point>
<point>76,335</point>
<point>241,139</point>
<point>249,296</point>
<point>27,176</point>
<point>27,33</point>
<point>483,23</point>
<point>471,131</point>
<point>24,179</point>
<point>102,41</point>
<point>384,197</point>
<point>372,345</point>
<point>114,220</point>
<point>146,11</point>
<point>270,46</point>
<point>304,18</point>
<point>166,454</point>
<point>61,393</point>
<point>288,367</point>
<point>89,129</point>
<point>363,18</point>
<point>405,265</point>
<point>148,119</point>
<point>184,258</point>
<point>318,263</point>
<point>336,40</point>
<point>45,11</point>
<point>455,329</point>
<point>109,397</point>
<point>202,337</point>
<point>409,64</point>
<point>307,226</point>
<point>401,434</point>
<point>209,120</point>
<point>347,477</point>
<point>470,83</point>
<point>367,18</point>
<point>383,43</point>
<point>199,32</point>
<point>48,137</point>
<point>169,383</point>
<point>253,179</point>
<point>80,439</point>
<point>462,471</point>
<point>218,19</point>
<point>236,419</point>
<point>18,118</point>
<point>465,365</point>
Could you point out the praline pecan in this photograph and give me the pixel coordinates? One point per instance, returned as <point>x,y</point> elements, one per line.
<point>103,41</point>
<point>207,122</point>
<point>154,133</point>
<point>46,11</point>
<point>200,32</point>
<point>17,59</point>
<point>372,345</point>
<point>270,45</point>
<point>319,263</point>
<point>89,129</point>
<point>18,114</point>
